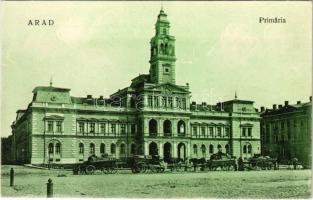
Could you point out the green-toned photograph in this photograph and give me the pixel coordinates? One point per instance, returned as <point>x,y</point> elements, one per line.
<point>174,99</point>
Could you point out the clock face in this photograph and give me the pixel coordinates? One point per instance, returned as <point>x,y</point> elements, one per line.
<point>53,98</point>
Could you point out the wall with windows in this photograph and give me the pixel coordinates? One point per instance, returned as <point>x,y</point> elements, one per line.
<point>204,148</point>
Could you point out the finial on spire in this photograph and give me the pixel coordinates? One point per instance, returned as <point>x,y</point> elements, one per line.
<point>235,94</point>
<point>51,81</point>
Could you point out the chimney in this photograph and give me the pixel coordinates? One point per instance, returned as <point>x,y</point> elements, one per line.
<point>310,98</point>
<point>89,96</point>
<point>193,103</point>
<point>286,103</point>
<point>280,106</point>
<point>274,106</point>
<point>262,108</point>
<point>101,97</point>
<point>298,102</point>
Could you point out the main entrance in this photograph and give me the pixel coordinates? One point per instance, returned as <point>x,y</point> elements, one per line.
<point>153,149</point>
<point>167,149</point>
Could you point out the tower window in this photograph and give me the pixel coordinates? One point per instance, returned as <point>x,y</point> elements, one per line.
<point>166,70</point>
<point>164,31</point>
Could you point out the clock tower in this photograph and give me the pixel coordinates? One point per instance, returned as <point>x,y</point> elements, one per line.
<point>162,58</point>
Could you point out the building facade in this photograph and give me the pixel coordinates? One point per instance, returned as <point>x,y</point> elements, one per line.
<point>153,115</point>
<point>286,131</point>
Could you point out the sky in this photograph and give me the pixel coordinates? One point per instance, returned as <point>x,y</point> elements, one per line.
<point>98,47</point>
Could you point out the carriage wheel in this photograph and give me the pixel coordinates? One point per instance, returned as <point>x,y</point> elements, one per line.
<point>269,166</point>
<point>104,170</point>
<point>90,169</point>
<point>113,170</point>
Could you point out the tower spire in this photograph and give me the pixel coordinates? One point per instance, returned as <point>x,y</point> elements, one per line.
<point>235,94</point>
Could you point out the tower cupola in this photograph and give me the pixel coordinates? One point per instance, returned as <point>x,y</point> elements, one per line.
<point>162,58</point>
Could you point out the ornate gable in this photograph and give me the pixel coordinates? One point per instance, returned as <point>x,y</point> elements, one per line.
<point>169,89</point>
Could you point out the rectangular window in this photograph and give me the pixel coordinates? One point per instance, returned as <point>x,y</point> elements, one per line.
<point>164,102</point>
<point>50,126</point>
<point>133,129</point>
<point>211,131</point>
<point>150,101</point>
<point>113,128</point>
<point>244,132</point>
<point>123,129</point>
<point>81,127</point>
<point>156,101</point>
<point>249,132</point>
<point>226,131</point>
<point>170,102</point>
<point>102,128</point>
<point>59,126</point>
<point>282,125</point>
<point>92,127</point>
<point>183,102</point>
<point>219,131</point>
<point>194,130</point>
<point>203,131</point>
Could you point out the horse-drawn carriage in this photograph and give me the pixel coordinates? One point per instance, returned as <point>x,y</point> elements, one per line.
<point>222,161</point>
<point>258,162</point>
<point>105,164</point>
<point>219,160</point>
<point>142,164</point>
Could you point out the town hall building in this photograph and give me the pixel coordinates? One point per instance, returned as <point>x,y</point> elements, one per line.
<point>152,116</point>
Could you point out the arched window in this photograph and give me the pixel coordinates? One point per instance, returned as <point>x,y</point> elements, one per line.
<point>122,150</point>
<point>153,127</point>
<point>203,149</point>
<point>58,148</point>
<point>166,49</point>
<point>219,148</point>
<point>227,148</point>
<point>161,48</point>
<point>181,127</point>
<point>102,148</point>
<point>92,148</point>
<point>167,127</point>
<point>211,148</point>
<point>50,148</point>
<point>195,149</point>
<point>249,148</point>
<point>153,148</point>
<point>244,149</point>
<point>133,149</point>
<point>113,148</point>
<point>81,148</point>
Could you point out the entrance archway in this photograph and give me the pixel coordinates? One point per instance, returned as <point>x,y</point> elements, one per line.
<point>181,151</point>
<point>167,150</point>
<point>153,149</point>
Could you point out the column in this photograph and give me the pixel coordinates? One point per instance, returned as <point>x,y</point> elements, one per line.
<point>174,149</point>
<point>146,152</point>
<point>160,149</point>
<point>160,128</point>
<point>174,127</point>
<point>187,145</point>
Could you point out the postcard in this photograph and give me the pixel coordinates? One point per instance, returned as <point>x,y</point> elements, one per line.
<point>151,99</point>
